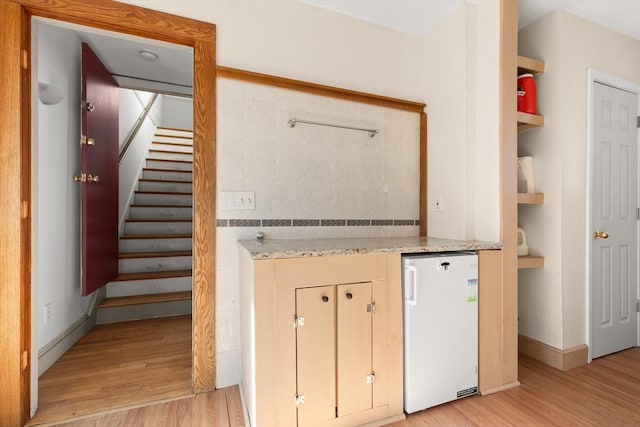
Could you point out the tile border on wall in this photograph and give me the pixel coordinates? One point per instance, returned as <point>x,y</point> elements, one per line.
<point>238,222</point>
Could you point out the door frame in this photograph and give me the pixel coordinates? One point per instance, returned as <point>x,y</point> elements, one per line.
<point>15,173</point>
<point>595,76</point>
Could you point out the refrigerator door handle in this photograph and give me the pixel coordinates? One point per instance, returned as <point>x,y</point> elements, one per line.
<point>410,284</point>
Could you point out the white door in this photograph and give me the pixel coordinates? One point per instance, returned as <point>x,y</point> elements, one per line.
<point>614,219</point>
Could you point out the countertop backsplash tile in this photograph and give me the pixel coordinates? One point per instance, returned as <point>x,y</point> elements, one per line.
<point>309,181</point>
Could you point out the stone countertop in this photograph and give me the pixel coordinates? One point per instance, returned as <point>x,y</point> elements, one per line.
<point>305,248</point>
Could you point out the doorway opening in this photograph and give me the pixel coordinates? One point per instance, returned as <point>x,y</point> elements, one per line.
<point>150,264</point>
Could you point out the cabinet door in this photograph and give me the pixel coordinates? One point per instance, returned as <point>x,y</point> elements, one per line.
<point>316,354</point>
<point>354,329</point>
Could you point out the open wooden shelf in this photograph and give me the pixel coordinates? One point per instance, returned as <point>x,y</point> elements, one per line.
<point>528,121</point>
<point>530,261</point>
<point>529,65</point>
<point>530,198</point>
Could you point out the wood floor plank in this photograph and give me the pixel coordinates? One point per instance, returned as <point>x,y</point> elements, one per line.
<point>234,406</point>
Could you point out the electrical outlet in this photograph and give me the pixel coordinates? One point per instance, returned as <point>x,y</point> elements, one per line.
<point>47,312</point>
<point>438,205</point>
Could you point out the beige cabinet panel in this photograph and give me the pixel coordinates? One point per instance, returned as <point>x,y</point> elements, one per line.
<point>316,350</point>
<point>354,330</point>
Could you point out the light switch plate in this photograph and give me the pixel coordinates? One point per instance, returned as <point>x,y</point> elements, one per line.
<point>237,200</point>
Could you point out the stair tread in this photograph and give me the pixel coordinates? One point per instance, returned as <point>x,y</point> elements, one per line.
<point>168,151</point>
<point>145,299</point>
<point>161,206</point>
<point>156,236</point>
<point>165,181</point>
<point>165,170</point>
<point>159,220</point>
<point>165,192</point>
<point>130,255</point>
<point>168,160</point>
<point>168,274</point>
<point>173,144</point>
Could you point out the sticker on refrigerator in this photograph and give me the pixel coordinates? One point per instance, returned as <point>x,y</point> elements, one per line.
<point>472,290</point>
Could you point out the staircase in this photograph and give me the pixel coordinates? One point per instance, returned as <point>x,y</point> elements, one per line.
<point>155,273</point>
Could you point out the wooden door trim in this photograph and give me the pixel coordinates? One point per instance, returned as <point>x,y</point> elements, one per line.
<point>348,95</point>
<point>15,170</point>
<point>322,90</point>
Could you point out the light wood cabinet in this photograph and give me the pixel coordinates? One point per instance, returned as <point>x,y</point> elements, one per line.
<point>322,340</point>
<point>334,360</point>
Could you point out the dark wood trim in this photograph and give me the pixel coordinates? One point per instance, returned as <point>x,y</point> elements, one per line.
<point>204,214</point>
<point>423,174</point>
<point>13,398</point>
<point>25,241</point>
<point>318,89</point>
<point>123,18</point>
<point>15,174</point>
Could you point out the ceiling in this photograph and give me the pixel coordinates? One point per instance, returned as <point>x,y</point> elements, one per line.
<point>418,17</point>
<point>172,72</point>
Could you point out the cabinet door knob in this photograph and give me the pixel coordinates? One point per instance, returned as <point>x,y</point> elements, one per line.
<point>325,298</point>
<point>349,295</point>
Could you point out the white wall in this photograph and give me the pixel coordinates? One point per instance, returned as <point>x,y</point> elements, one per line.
<point>178,112</point>
<point>301,41</point>
<point>131,104</point>
<point>461,86</point>
<point>552,300</point>
<point>56,198</point>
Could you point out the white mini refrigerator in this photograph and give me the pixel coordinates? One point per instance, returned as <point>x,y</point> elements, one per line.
<point>440,313</point>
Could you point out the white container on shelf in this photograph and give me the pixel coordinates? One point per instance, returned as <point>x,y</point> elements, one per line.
<point>526,175</point>
<point>523,248</point>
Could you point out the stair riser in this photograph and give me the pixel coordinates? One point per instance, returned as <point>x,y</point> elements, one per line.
<point>137,212</point>
<point>169,175</point>
<point>159,228</point>
<point>171,156</point>
<point>140,265</point>
<point>168,187</point>
<point>164,164</point>
<point>143,311</point>
<point>148,286</point>
<point>172,146</point>
<point>163,199</point>
<point>155,245</point>
<point>174,132</point>
<point>187,142</point>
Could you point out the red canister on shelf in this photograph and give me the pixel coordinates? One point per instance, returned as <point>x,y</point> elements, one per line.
<point>526,94</point>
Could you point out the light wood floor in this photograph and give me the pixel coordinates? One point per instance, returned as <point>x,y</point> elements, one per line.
<point>134,363</point>
<point>605,393</point>
<point>118,366</point>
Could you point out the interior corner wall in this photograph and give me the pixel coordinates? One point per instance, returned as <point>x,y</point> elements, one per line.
<point>461,86</point>
<point>178,112</point>
<point>446,74</point>
<point>486,71</point>
<point>301,41</point>
<point>569,45</point>
<point>56,197</point>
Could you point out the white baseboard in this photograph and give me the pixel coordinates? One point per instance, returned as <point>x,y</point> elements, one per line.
<point>245,411</point>
<point>51,352</point>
